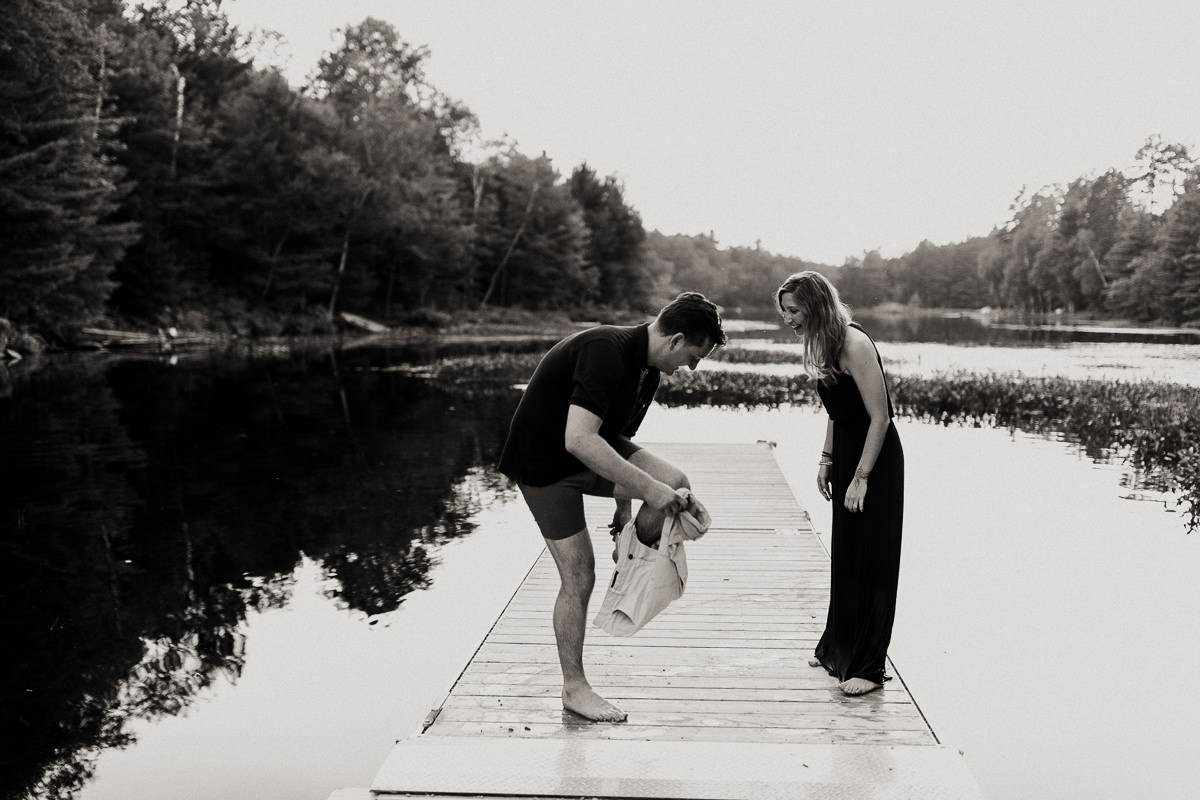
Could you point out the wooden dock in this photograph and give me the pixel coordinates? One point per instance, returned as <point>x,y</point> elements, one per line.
<point>722,703</point>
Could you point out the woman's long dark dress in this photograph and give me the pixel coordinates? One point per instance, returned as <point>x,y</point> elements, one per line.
<point>866,544</point>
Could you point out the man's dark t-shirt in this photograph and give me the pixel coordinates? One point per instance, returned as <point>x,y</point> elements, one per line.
<point>601,369</point>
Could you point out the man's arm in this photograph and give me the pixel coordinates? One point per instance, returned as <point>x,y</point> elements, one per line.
<point>583,440</point>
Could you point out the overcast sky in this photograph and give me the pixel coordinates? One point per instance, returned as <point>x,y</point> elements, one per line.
<point>819,129</point>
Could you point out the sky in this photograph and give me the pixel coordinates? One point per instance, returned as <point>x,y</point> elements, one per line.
<point>818,130</point>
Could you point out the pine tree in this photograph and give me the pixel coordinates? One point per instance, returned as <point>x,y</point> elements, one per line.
<point>57,182</point>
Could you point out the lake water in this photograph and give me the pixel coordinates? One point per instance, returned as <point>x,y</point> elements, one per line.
<point>247,579</point>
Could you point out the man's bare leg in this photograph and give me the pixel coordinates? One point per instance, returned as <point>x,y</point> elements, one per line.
<point>649,520</point>
<point>576,564</point>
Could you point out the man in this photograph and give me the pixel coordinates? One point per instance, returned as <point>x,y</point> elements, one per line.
<point>571,435</point>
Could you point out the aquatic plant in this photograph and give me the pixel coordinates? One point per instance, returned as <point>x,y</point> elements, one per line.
<point>744,355</point>
<point>738,389</point>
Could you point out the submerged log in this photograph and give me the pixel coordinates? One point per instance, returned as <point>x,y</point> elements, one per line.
<point>161,341</point>
<point>363,322</point>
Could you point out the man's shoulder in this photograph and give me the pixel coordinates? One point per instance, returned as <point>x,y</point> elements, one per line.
<point>618,339</point>
<point>569,347</point>
<point>608,333</point>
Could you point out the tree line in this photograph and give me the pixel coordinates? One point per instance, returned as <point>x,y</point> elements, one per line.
<point>1115,245</point>
<point>152,173</point>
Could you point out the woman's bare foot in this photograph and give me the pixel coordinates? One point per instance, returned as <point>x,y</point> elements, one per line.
<point>815,662</point>
<point>857,686</point>
<point>586,703</point>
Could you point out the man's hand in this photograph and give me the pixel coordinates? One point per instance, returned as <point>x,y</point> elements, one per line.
<point>621,516</point>
<point>664,499</point>
<point>690,503</point>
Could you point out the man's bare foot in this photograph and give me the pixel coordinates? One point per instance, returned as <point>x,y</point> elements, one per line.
<point>857,686</point>
<point>586,703</point>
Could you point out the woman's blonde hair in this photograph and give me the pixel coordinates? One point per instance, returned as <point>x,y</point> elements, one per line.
<point>824,324</point>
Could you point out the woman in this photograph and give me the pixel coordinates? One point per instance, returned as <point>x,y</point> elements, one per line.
<point>862,471</point>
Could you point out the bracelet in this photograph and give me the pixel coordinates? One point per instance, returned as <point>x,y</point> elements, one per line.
<point>824,462</point>
<point>826,454</point>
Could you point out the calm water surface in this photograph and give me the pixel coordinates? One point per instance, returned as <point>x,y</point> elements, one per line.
<point>247,579</point>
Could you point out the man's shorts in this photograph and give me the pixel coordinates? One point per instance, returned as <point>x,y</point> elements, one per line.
<point>558,508</point>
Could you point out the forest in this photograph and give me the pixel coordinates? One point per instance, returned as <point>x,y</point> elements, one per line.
<point>152,175</point>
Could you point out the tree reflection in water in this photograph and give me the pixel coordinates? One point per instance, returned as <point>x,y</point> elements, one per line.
<point>150,507</point>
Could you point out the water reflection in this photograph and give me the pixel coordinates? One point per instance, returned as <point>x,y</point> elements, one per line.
<point>150,507</point>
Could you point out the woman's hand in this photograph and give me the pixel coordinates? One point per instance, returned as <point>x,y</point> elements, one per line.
<point>856,493</point>
<point>824,486</point>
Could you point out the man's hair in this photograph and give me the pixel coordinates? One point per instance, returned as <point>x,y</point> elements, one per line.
<point>693,315</point>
